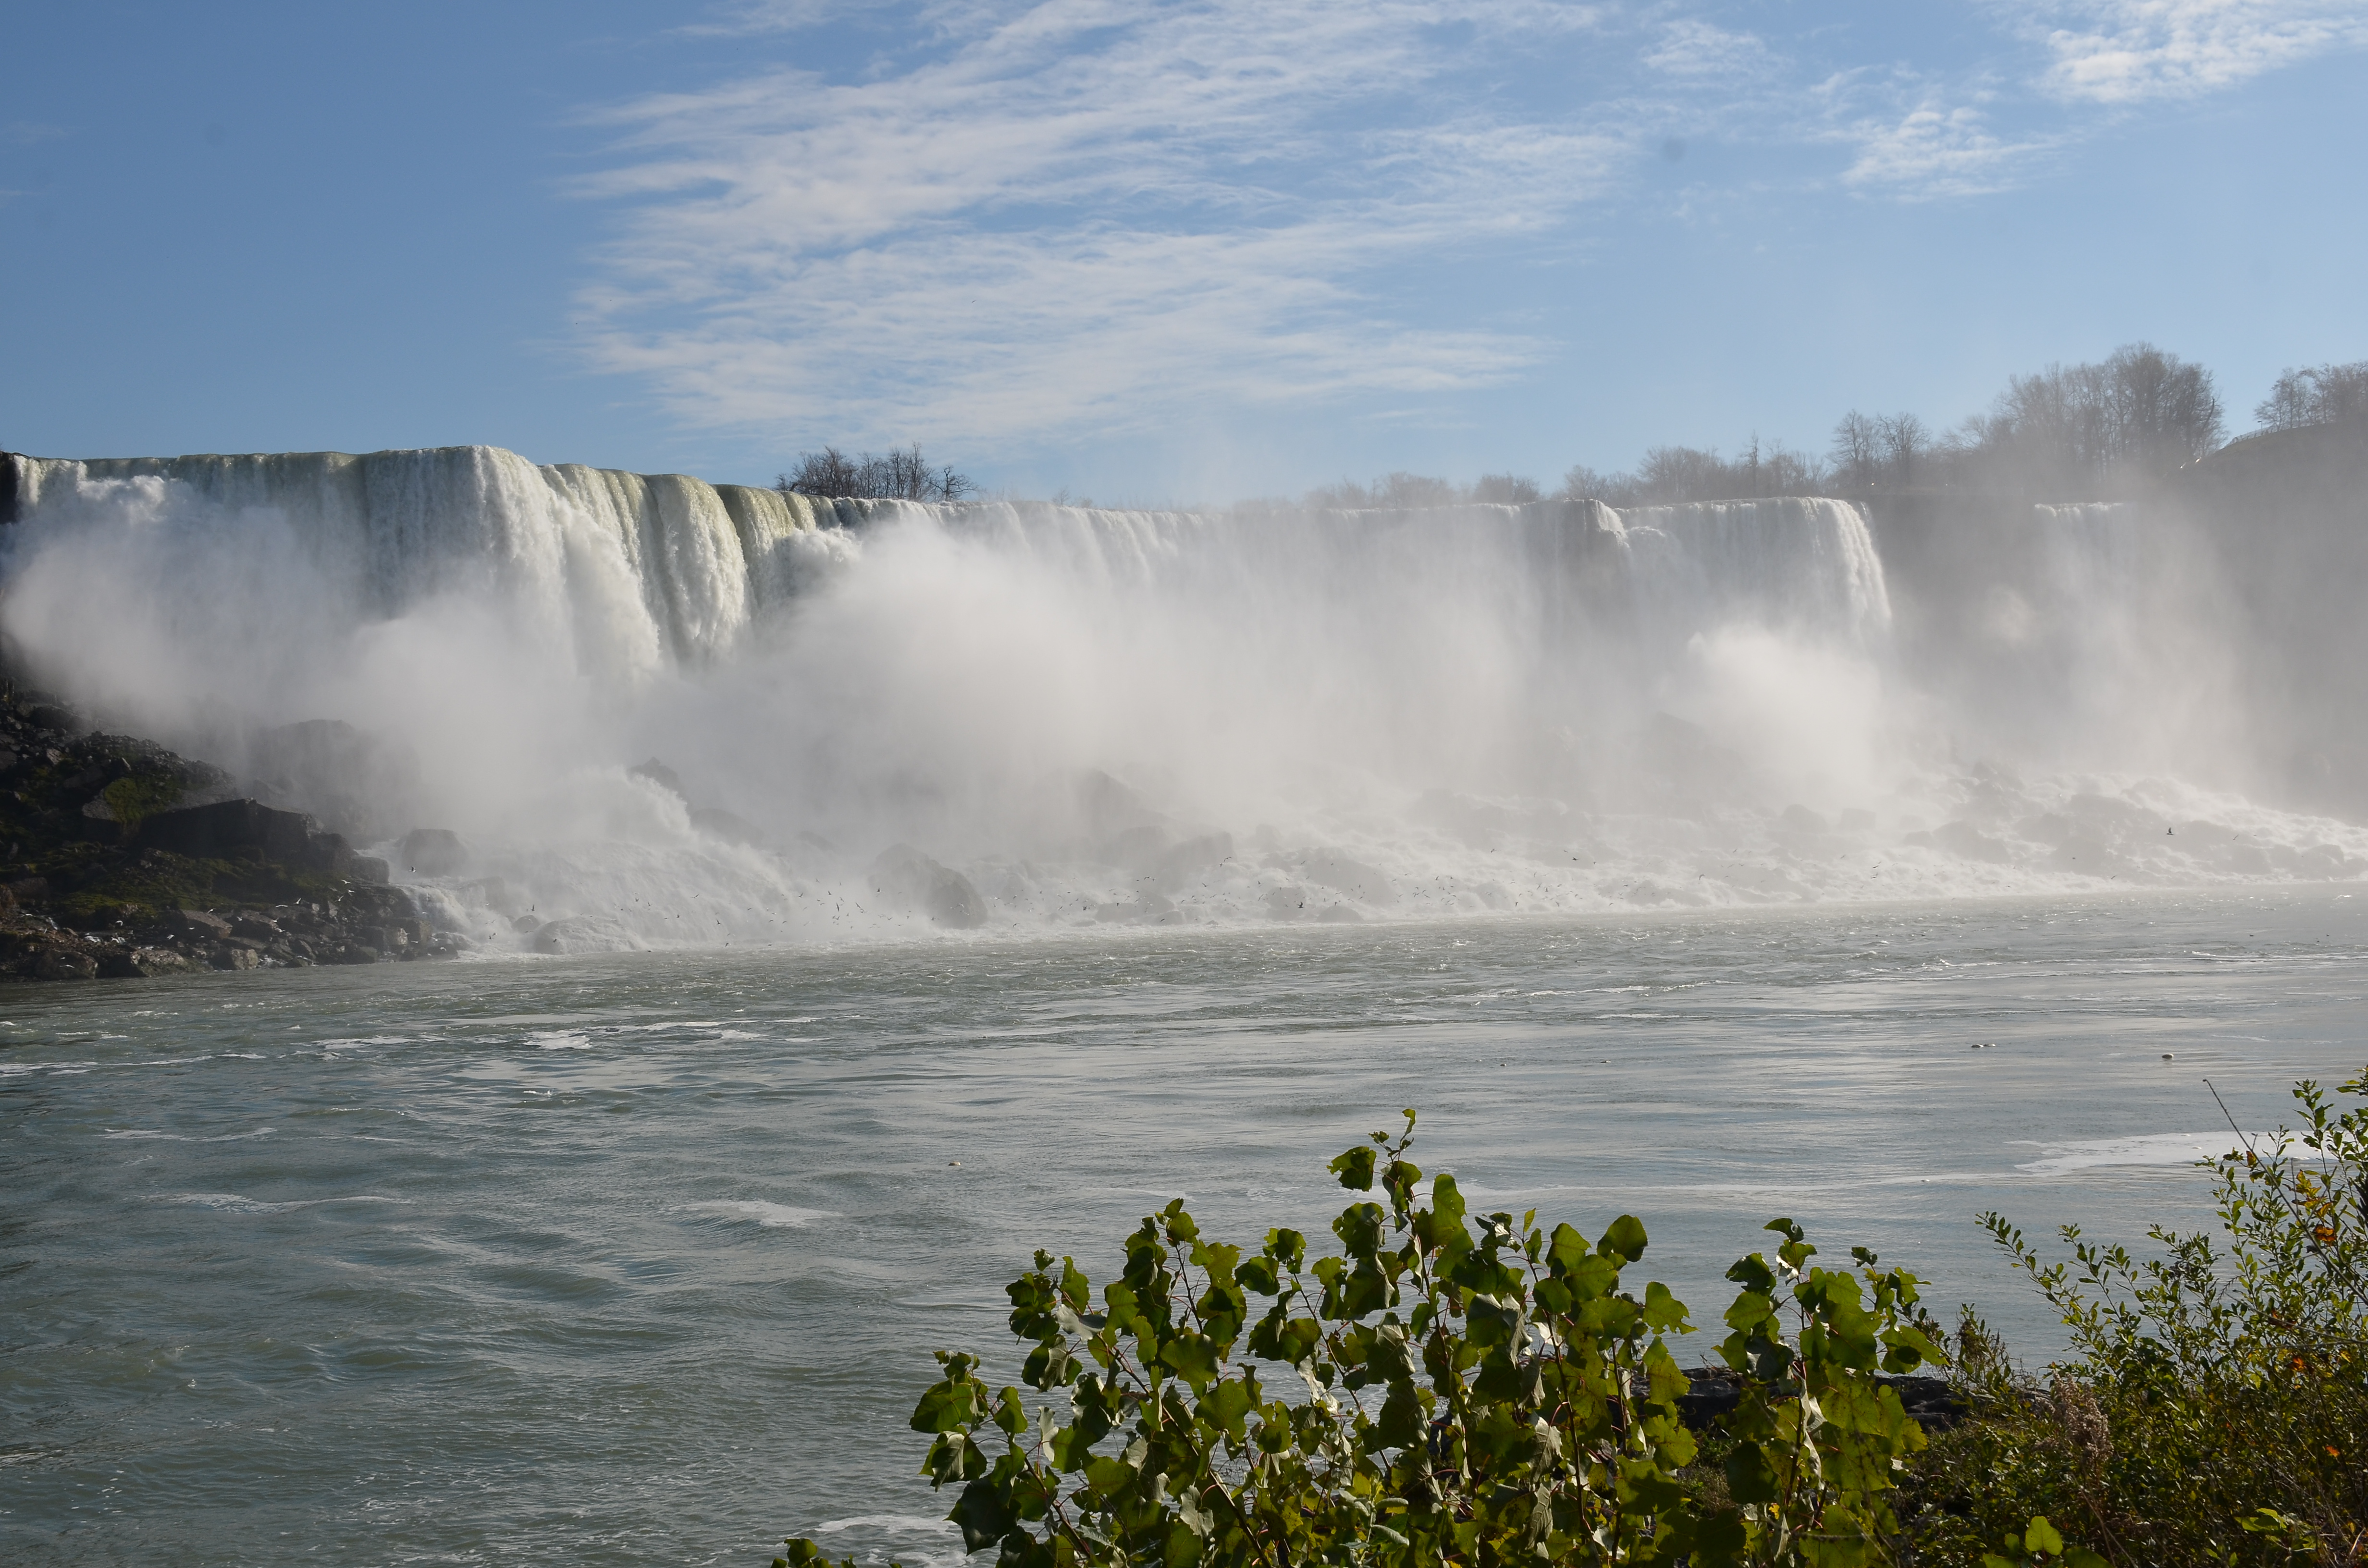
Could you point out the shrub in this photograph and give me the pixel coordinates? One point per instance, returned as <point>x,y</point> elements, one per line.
<point>2215,1407</point>
<point>1466,1388</point>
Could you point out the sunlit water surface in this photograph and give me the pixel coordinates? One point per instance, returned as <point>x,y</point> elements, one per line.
<point>641,1259</point>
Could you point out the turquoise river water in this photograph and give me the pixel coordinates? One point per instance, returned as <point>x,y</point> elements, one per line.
<point>640,1258</point>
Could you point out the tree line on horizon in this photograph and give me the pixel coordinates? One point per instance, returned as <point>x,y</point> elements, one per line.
<point>2070,431</point>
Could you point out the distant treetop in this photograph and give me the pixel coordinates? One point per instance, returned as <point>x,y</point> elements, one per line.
<point>902,474</point>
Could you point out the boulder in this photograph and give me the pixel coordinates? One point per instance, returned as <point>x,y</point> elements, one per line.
<point>432,852</point>
<point>134,963</point>
<point>220,831</point>
<point>196,925</point>
<point>225,830</point>
<point>62,963</point>
<point>916,884</point>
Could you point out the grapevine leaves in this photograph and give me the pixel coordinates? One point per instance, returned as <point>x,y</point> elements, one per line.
<point>1466,1388</point>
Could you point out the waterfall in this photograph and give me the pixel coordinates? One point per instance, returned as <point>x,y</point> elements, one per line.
<point>1100,714</point>
<point>636,571</point>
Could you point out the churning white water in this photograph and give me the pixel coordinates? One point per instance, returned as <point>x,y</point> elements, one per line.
<point>1103,716</point>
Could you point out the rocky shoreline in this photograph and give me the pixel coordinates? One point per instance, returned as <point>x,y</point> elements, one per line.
<point>124,859</point>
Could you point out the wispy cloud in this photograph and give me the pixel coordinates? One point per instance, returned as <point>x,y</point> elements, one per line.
<point>1930,148</point>
<point>1081,213</point>
<point>1032,220</point>
<point>2128,51</point>
<point>1691,48</point>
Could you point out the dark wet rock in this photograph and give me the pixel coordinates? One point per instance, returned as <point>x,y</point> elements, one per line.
<point>196,924</point>
<point>245,829</point>
<point>914,884</point>
<point>139,963</point>
<point>62,962</point>
<point>432,852</point>
<point>1714,1391</point>
<point>222,831</point>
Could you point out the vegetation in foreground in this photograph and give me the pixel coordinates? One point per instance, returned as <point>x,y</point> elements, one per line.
<point>1456,1388</point>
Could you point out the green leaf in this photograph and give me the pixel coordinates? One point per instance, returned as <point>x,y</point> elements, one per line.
<point>1750,1474</point>
<point>1355,1168</point>
<point>1360,1228</point>
<point>1753,1274</point>
<point>984,1513</point>
<point>950,1405</point>
<point>2042,1537</point>
<point>1626,1239</point>
<point>1564,1250</point>
<point>1009,1415</point>
<point>1664,1313</point>
<point>1194,1356</point>
<point>1228,1405</point>
<point>1258,1274</point>
<point>1446,1199</point>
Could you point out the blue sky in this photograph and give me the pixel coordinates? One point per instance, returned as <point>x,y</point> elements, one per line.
<point>1150,252</point>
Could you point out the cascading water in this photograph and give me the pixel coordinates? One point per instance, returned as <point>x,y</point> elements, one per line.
<point>1092,715</point>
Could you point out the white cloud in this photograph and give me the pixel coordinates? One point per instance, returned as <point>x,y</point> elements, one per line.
<point>1934,149</point>
<point>2126,52</point>
<point>1080,215</point>
<point>1690,47</point>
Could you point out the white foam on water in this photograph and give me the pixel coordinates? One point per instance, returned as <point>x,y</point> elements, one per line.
<point>2153,1149</point>
<point>771,1216</point>
<point>234,1203</point>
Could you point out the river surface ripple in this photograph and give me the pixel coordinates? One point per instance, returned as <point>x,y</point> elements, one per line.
<point>641,1258</point>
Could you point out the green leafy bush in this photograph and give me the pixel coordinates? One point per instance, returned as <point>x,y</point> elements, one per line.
<point>2215,1407</point>
<point>1445,1388</point>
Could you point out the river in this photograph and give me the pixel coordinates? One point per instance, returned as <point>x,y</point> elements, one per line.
<point>640,1256</point>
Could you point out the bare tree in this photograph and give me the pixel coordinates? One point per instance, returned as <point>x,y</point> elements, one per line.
<point>1585,484</point>
<point>1858,450</point>
<point>2323,395</point>
<point>1902,439</point>
<point>1505,489</point>
<point>902,474</point>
